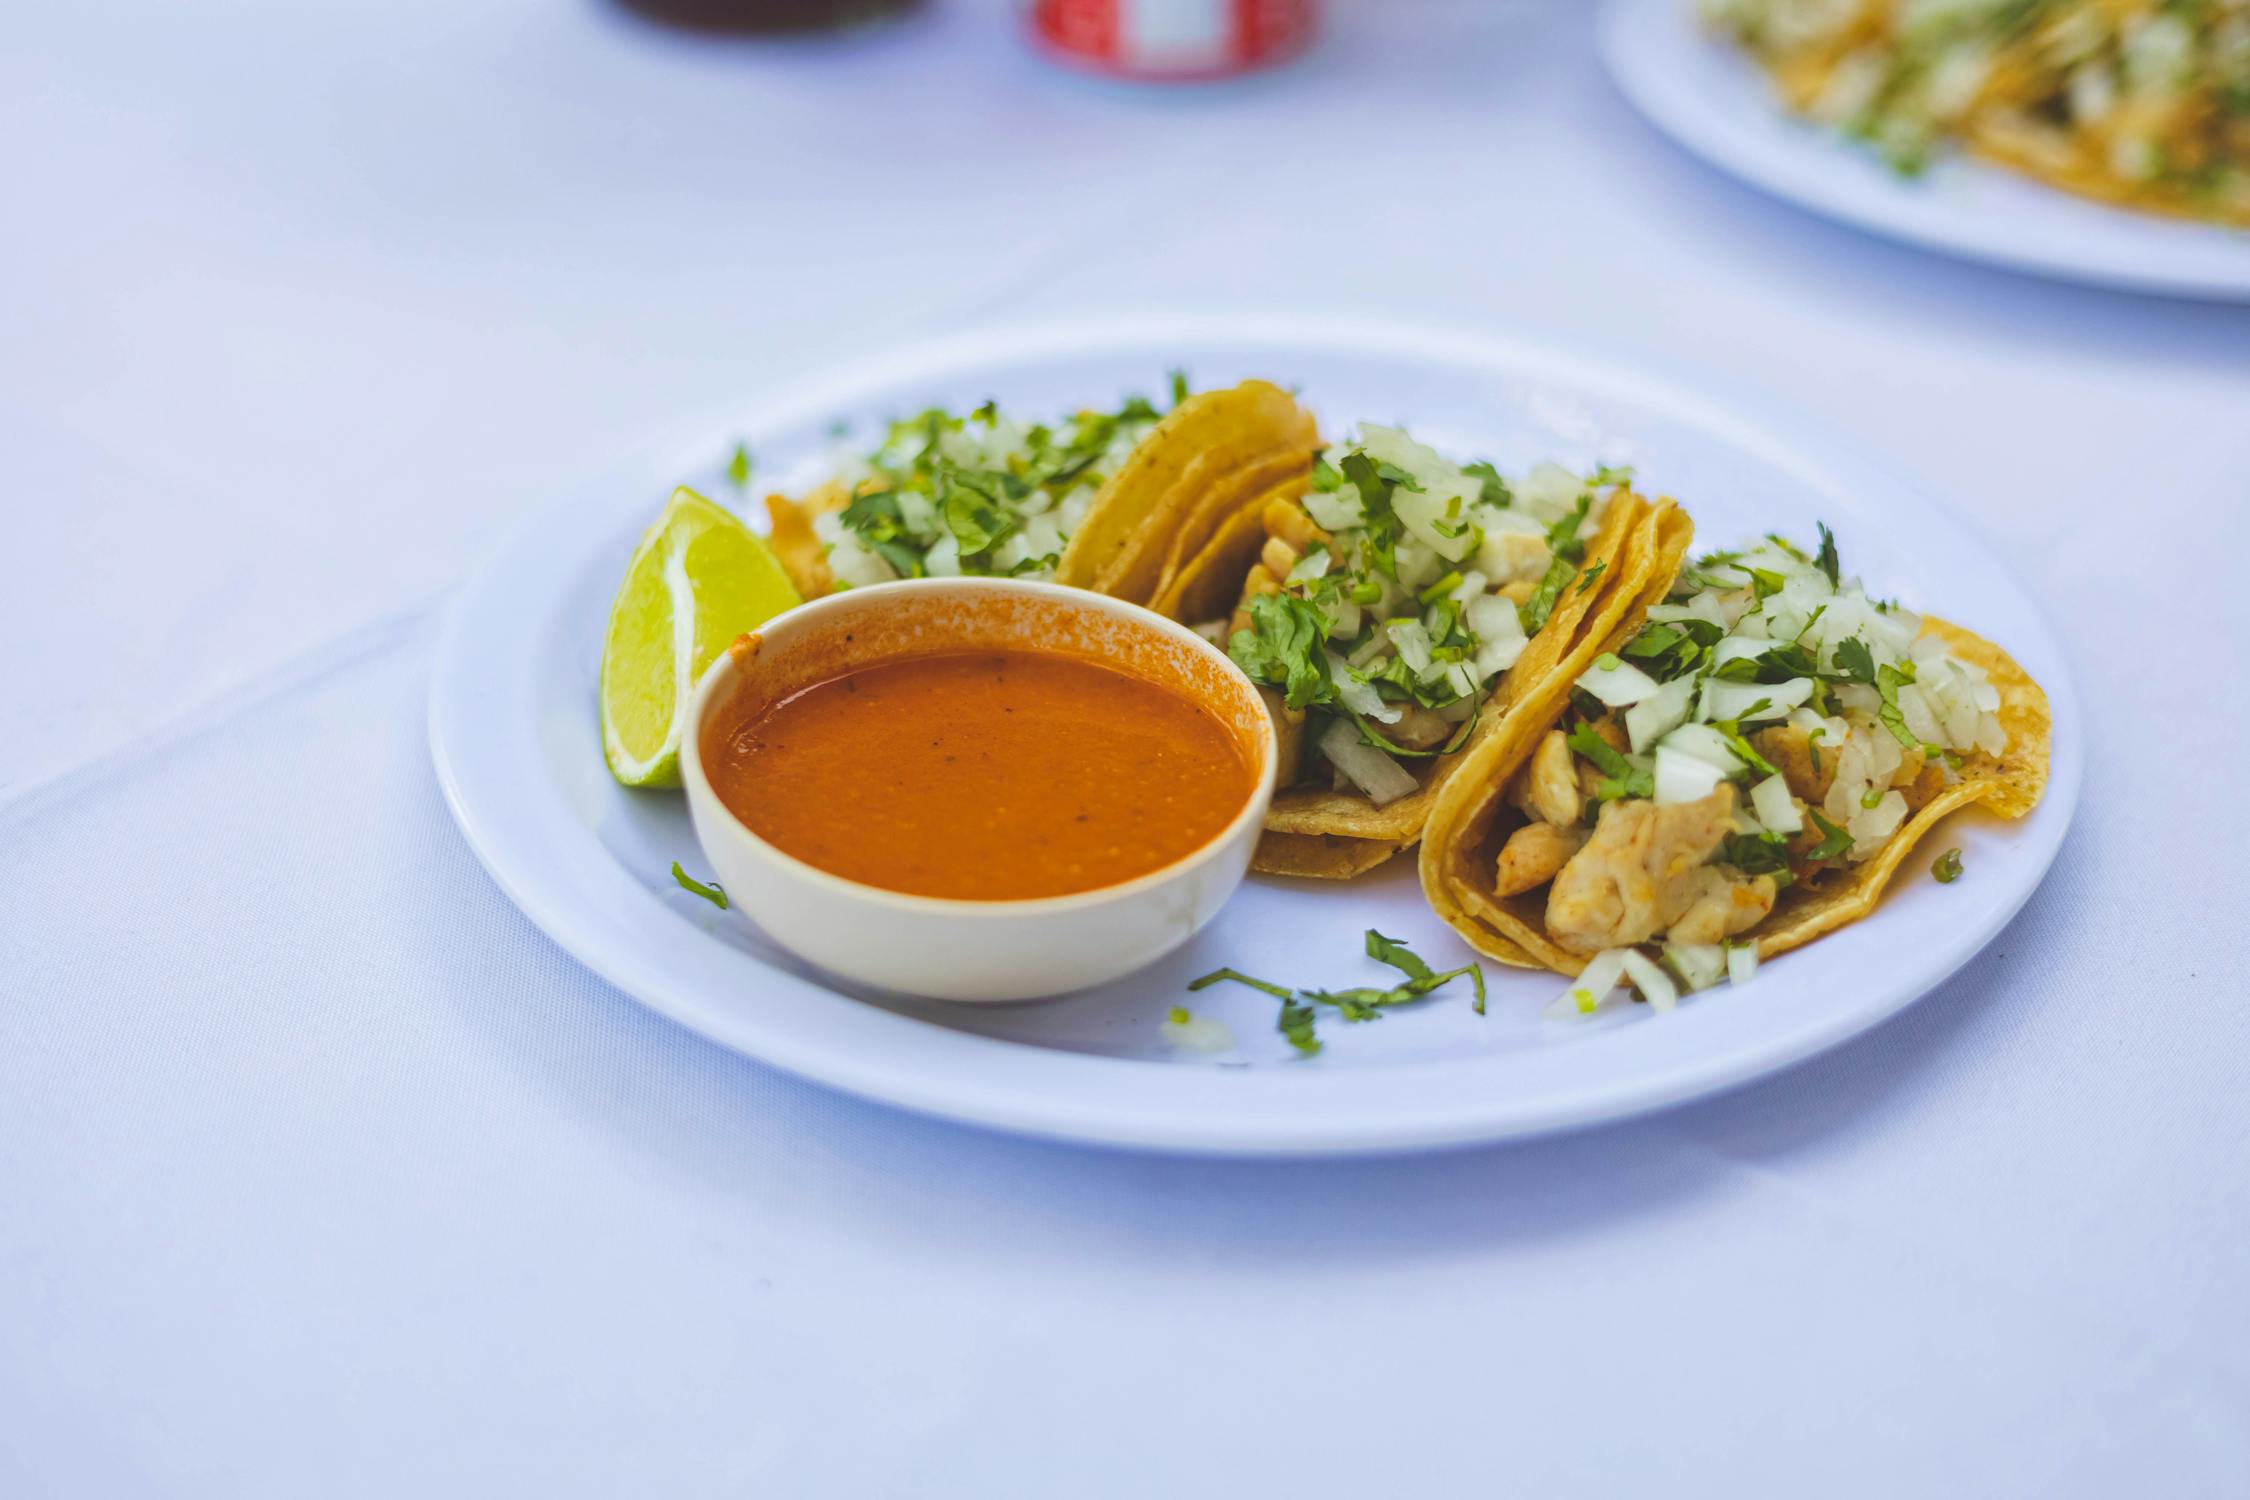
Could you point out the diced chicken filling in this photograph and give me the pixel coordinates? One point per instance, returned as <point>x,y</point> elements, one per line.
<point>1548,792</point>
<point>1533,854</point>
<point>1645,872</point>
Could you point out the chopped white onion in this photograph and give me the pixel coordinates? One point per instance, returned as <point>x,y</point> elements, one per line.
<point>1591,987</point>
<point>1655,985</point>
<point>1700,965</point>
<point>1739,647</point>
<point>1748,701</point>
<point>1775,808</point>
<point>1617,684</point>
<point>1361,697</point>
<point>943,560</point>
<point>1705,744</point>
<point>1681,777</point>
<point>1412,638</point>
<point>1742,962</point>
<point>1499,633</point>
<point>1198,1034</point>
<point>1381,778</point>
<point>1335,510</point>
<point>1313,564</point>
<point>1659,714</point>
<point>1510,555</point>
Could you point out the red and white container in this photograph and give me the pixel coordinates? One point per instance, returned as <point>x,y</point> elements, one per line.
<point>1174,38</point>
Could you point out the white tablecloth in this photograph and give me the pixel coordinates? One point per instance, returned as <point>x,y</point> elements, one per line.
<point>323,1173</point>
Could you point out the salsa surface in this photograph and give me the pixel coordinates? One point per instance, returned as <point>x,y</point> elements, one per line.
<point>986,775</point>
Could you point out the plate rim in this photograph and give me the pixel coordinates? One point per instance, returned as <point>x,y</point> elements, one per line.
<point>1640,41</point>
<point>1264,1111</point>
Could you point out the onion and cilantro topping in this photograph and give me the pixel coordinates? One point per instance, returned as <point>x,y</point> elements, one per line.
<point>1768,723</point>
<point>1773,655</point>
<point>945,495</point>
<point>1419,582</point>
<point>1367,1003</point>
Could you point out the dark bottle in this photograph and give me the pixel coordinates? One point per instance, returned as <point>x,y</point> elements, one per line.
<point>752,16</point>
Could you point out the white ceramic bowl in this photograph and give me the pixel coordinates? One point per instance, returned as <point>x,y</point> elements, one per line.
<point>972,950</point>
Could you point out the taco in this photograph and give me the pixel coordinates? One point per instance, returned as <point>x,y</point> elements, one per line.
<point>1214,455</point>
<point>985,493</point>
<point>2144,103</point>
<point>1390,603</point>
<point>1736,767</point>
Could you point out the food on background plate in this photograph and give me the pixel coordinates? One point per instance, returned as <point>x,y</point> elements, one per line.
<point>1735,768</point>
<point>698,579</point>
<point>987,494</point>
<point>1388,608</point>
<point>2143,103</point>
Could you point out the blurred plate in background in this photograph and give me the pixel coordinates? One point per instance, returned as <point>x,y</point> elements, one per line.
<point>1714,101</point>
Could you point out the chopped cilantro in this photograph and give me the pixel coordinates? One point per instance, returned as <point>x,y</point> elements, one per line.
<point>1586,579</point>
<point>1948,867</point>
<point>1179,380</point>
<point>1828,563</point>
<point>1676,648</point>
<point>1236,975</point>
<point>1755,853</point>
<point>1741,746</point>
<point>1441,588</point>
<point>1533,612</point>
<point>972,512</point>
<point>1607,759</point>
<point>1365,1003</point>
<point>1563,539</point>
<point>738,467</point>
<point>1887,682</point>
<point>1494,491</point>
<point>1380,525</point>
<point>1834,840</point>
<point>1286,646</point>
<point>710,893</point>
<point>1620,777</point>
<point>1855,660</point>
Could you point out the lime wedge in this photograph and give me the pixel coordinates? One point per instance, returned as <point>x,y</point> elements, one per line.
<point>698,579</point>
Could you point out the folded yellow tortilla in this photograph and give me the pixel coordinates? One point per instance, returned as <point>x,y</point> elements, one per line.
<point>1473,816</point>
<point>1212,454</point>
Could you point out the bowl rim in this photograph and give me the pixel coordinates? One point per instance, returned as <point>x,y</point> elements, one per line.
<point>724,668</point>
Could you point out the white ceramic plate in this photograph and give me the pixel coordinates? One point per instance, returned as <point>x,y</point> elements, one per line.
<point>512,728</point>
<point>1710,98</point>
